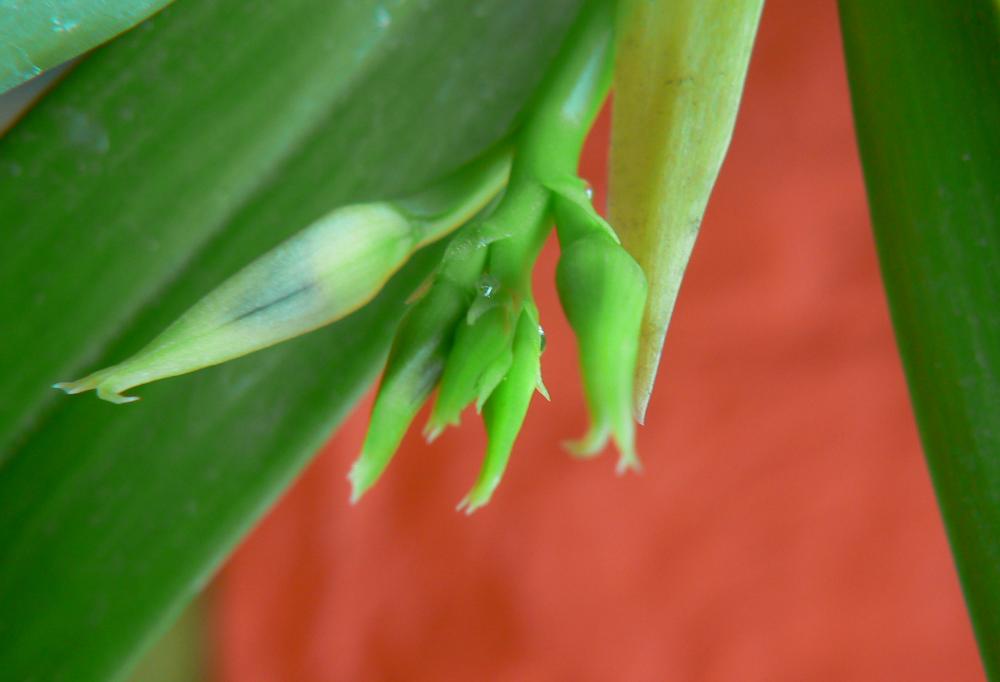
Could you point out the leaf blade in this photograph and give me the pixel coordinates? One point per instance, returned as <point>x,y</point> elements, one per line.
<point>39,35</point>
<point>116,516</point>
<point>924,89</point>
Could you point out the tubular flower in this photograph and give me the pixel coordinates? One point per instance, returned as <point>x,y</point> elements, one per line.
<point>481,349</point>
<point>506,408</point>
<point>603,292</point>
<point>415,363</point>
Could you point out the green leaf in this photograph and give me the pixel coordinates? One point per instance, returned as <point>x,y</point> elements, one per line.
<point>36,35</point>
<point>183,653</point>
<point>925,83</point>
<point>679,76</point>
<point>160,166</point>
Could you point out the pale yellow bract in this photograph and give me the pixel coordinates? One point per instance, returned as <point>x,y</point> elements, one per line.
<point>679,75</point>
<point>331,268</point>
<point>328,270</point>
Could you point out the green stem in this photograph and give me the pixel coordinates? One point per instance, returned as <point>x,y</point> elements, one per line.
<point>572,95</point>
<point>549,144</point>
<point>453,201</point>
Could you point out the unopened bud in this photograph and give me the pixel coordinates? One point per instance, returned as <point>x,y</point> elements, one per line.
<point>415,363</point>
<point>603,292</point>
<point>506,408</point>
<point>477,346</point>
<point>328,270</point>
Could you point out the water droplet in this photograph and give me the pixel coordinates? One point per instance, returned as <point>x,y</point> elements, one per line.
<point>63,25</point>
<point>382,17</point>
<point>486,292</point>
<point>488,286</point>
<point>588,190</point>
<point>541,336</point>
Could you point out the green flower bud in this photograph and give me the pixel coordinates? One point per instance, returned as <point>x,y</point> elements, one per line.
<point>477,346</point>
<point>603,292</point>
<point>415,363</point>
<point>492,375</point>
<point>328,270</point>
<point>506,408</point>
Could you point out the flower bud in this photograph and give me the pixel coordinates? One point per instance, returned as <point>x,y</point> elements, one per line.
<point>328,270</point>
<point>506,408</point>
<point>321,274</point>
<point>603,292</point>
<point>492,375</point>
<point>415,363</point>
<point>477,346</point>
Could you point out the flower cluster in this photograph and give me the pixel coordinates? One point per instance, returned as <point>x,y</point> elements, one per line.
<point>474,334</point>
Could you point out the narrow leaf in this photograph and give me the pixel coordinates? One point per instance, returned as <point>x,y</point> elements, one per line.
<point>925,83</point>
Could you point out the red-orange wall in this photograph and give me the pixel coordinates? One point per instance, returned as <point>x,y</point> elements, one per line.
<point>784,528</point>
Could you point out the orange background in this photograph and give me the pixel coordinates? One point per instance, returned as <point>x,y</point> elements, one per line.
<point>784,528</point>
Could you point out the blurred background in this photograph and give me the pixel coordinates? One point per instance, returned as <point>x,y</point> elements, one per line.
<point>784,527</point>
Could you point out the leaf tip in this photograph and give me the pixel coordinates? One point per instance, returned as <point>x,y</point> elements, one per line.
<point>359,480</point>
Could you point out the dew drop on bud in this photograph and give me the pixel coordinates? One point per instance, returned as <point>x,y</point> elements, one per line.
<point>488,286</point>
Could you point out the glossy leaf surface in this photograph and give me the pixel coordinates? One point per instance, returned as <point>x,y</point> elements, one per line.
<point>36,35</point>
<point>925,84</point>
<point>161,165</point>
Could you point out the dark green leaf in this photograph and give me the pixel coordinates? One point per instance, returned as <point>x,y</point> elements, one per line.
<point>925,81</point>
<point>161,165</point>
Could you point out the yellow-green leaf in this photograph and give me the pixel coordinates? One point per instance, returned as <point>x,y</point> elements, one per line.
<point>679,75</point>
